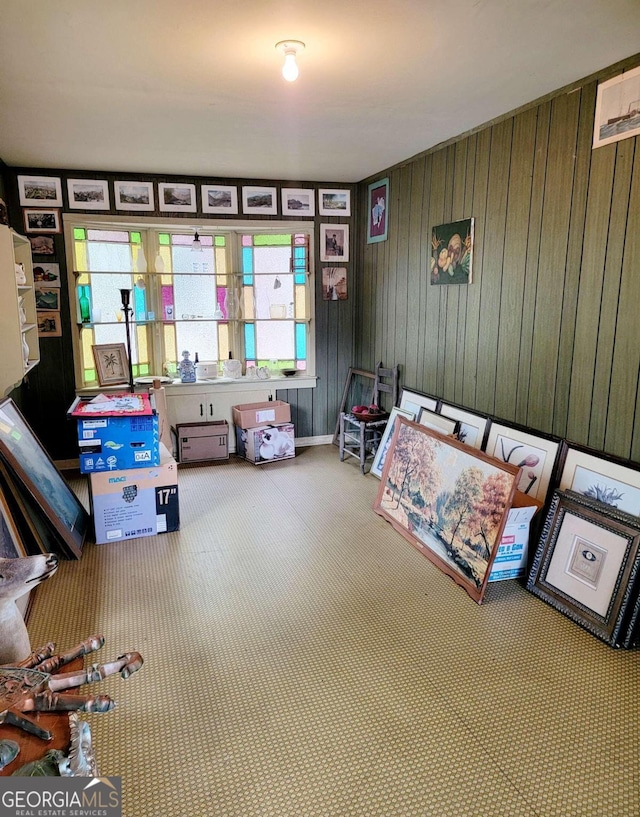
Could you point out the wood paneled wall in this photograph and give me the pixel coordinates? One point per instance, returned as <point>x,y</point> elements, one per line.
<point>50,387</point>
<point>548,333</point>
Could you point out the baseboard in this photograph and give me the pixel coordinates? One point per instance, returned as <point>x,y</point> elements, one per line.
<point>325,439</point>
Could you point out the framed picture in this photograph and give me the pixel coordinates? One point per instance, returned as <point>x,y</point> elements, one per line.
<point>617,109</point>
<point>334,283</point>
<point>606,479</point>
<point>219,198</point>
<point>587,563</point>
<point>42,245</point>
<point>42,221</point>
<point>358,391</point>
<point>377,465</point>
<point>11,546</point>
<point>27,459</point>
<point>47,274</point>
<point>448,500</point>
<point>88,194</point>
<point>40,191</point>
<point>49,325</point>
<point>112,364</point>
<point>413,401</point>
<point>334,202</point>
<point>173,197</point>
<point>260,201</point>
<point>334,242</point>
<point>474,428</point>
<point>436,422</point>
<point>134,195</point>
<point>28,517</point>
<point>377,211</point>
<point>452,252</point>
<point>47,299</point>
<point>298,201</point>
<point>535,454</point>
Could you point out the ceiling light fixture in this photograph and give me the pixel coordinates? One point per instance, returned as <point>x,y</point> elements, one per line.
<point>290,50</point>
<point>196,245</point>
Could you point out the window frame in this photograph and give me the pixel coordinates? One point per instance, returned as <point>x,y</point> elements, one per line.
<point>149,227</point>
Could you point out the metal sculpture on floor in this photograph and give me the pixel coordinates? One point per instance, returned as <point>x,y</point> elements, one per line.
<point>27,682</point>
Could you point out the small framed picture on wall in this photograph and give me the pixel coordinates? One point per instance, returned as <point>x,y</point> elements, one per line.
<point>334,242</point>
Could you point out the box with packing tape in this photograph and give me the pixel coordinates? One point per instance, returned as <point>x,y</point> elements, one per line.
<point>115,432</point>
<point>136,502</point>
<point>266,444</point>
<point>255,415</point>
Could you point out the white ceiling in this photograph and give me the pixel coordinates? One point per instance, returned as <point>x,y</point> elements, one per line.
<point>194,86</point>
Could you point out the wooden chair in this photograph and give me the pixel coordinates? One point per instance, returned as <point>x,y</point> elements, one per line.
<point>359,437</point>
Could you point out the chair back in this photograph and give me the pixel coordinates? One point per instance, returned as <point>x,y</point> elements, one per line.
<point>387,381</point>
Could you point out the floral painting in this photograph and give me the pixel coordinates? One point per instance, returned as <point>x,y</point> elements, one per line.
<point>449,500</point>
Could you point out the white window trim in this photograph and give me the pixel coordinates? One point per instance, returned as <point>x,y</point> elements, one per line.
<point>157,224</point>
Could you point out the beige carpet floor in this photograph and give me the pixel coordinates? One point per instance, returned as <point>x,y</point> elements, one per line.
<point>301,658</point>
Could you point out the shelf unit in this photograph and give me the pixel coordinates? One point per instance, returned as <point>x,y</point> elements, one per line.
<point>16,249</point>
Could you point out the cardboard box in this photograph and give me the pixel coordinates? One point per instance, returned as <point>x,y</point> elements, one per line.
<point>266,444</point>
<point>201,442</point>
<point>511,559</point>
<point>257,415</point>
<point>136,502</point>
<point>114,443</point>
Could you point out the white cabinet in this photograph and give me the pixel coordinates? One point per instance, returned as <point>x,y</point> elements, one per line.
<point>202,402</point>
<point>18,319</point>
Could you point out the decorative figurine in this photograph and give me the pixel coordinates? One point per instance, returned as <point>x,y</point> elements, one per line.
<point>187,369</point>
<point>9,751</point>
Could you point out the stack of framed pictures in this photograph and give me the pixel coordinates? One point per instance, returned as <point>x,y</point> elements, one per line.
<point>38,504</point>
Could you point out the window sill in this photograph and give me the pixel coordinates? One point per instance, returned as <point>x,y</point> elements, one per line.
<point>246,383</point>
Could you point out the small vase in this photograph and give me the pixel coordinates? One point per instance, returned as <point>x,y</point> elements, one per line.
<point>25,351</point>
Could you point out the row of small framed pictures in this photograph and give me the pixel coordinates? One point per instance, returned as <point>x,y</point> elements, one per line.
<point>93,194</point>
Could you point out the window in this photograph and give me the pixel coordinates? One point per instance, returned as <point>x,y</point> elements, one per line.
<point>245,293</point>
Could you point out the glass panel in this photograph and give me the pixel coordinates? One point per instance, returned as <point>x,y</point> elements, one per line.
<point>109,257</point>
<point>139,303</point>
<point>272,295</point>
<point>301,341</point>
<point>115,333</point>
<point>301,302</point>
<point>168,310</point>
<point>248,306</point>
<point>185,261</point>
<point>164,239</point>
<point>220,241</point>
<point>272,259</point>
<point>266,240</point>
<point>142,336</point>
<point>247,241</point>
<point>88,363</point>
<point>221,260</point>
<point>275,340</point>
<point>187,240</point>
<point>224,342</point>
<point>197,336</point>
<point>79,234</point>
<point>121,236</point>
<point>194,296</point>
<point>250,341</point>
<point>106,293</point>
<point>82,262</point>
<point>170,351</point>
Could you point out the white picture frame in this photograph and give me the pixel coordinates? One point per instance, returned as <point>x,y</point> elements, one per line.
<point>333,202</point>
<point>415,400</point>
<point>617,109</point>
<point>298,201</point>
<point>134,195</point>
<point>177,197</point>
<point>436,422</point>
<point>40,191</point>
<point>474,428</point>
<point>261,201</point>
<point>602,479</point>
<point>535,455</point>
<point>219,198</point>
<point>88,194</point>
<point>334,242</point>
<point>41,221</point>
<point>378,460</point>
